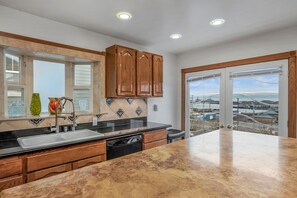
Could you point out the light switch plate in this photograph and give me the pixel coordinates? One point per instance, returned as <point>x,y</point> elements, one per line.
<point>155,107</point>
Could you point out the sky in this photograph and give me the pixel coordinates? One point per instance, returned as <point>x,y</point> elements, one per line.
<point>261,85</point>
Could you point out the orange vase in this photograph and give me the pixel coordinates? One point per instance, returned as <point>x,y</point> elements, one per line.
<point>52,105</point>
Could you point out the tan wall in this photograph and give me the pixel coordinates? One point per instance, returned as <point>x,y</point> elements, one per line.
<point>137,108</point>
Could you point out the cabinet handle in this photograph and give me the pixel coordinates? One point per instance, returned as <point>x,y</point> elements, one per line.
<point>222,126</point>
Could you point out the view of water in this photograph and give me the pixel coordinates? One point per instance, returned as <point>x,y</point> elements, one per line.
<point>242,97</point>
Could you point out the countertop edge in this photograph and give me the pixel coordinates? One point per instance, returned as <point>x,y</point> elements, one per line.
<point>137,131</point>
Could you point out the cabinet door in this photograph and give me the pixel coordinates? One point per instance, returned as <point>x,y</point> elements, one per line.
<point>153,136</point>
<point>48,172</point>
<point>144,74</point>
<point>157,75</point>
<point>59,156</point>
<point>10,166</point>
<point>154,144</point>
<point>9,182</point>
<point>125,71</point>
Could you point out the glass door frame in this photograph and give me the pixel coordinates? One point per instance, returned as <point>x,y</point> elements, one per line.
<point>226,93</point>
<point>187,99</point>
<point>283,92</point>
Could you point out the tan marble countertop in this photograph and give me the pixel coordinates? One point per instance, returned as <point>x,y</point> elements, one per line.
<point>217,164</point>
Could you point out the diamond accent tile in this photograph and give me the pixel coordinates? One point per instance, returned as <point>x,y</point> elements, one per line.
<point>138,111</point>
<point>109,101</point>
<point>120,112</point>
<point>130,100</point>
<point>71,118</point>
<point>36,122</point>
<point>99,116</point>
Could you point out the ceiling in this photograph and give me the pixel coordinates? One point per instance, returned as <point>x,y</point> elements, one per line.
<point>154,20</point>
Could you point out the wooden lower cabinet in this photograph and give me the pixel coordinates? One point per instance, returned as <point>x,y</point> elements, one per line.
<point>154,144</point>
<point>17,170</point>
<point>9,182</point>
<point>10,166</point>
<point>11,170</point>
<point>55,161</point>
<point>154,139</point>
<point>48,172</point>
<point>54,157</point>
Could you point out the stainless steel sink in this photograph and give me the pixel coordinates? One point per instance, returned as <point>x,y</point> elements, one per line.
<point>57,138</point>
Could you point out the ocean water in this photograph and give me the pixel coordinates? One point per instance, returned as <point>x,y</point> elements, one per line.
<point>242,97</point>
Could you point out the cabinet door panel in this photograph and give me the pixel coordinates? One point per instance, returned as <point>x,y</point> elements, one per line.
<point>54,157</point>
<point>144,74</point>
<point>48,172</point>
<point>157,75</point>
<point>125,71</point>
<point>11,182</point>
<point>154,144</point>
<point>154,135</point>
<point>89,161</point>
<point>10,167</point>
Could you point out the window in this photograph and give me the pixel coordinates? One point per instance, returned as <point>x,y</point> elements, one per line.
<point>24,75</point>
<point>48,81</point>
<point>82,90</point>
<point>12,68</point>
<point>15,90</point>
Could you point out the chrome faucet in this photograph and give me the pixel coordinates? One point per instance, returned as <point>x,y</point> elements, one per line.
<point>74,124</point>
<point>57,125</point>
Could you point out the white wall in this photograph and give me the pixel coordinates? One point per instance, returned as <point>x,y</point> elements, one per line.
<point>22,23</point>
<point>167,106</point>
<point>258,45</point>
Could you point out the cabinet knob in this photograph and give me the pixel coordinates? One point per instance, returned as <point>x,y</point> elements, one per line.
<point>229,127</point>
<point>222,126</point>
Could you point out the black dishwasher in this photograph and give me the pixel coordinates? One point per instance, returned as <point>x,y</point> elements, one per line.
<point>123,146</point>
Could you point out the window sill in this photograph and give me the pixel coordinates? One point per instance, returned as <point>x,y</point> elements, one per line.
<point>46,115</point>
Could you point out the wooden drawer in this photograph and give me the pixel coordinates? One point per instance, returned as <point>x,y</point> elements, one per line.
<point>154,135</point>
<point>154,144</point>
<point>11,182</point>
<point>48,172</point>
<point>10,167</point>
<point>88,161</point>
<point>64,155</point>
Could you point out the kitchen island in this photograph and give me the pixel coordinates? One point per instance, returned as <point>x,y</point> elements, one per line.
<point>216,164</point>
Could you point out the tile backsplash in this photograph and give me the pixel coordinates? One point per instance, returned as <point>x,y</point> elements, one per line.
<point>114,109</point>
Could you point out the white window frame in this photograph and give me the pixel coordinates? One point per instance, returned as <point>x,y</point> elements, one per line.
<point>90,88</point>
<point>20,84</point>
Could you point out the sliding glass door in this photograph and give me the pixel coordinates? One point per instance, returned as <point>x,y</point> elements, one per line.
<point>251,98</point>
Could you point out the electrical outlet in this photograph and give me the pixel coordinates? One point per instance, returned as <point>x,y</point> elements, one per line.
<point>95,121</point>
<point>155,107</point>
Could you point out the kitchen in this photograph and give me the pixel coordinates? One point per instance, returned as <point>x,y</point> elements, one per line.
<point>108,131</point>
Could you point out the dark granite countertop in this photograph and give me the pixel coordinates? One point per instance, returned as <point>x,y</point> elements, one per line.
<point>9,145</point>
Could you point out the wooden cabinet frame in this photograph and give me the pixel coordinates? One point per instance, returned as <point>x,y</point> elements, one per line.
<point>292,98</point>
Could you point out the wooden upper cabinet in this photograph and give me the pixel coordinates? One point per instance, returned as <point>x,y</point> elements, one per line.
<point>120,72</point>
<point>157,75</point>
<point>131,73</point>
<point>125,71</point>
<point>144,74</point>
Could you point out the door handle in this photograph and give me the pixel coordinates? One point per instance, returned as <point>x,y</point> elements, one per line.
<point>222,126</point>
<point>229,127</point>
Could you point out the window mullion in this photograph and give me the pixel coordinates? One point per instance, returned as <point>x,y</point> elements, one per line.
<point>2,84</point>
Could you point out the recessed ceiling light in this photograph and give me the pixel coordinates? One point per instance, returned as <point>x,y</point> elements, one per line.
<point>175,36</point>
<point>124,15</point>
<point>217,22</point>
